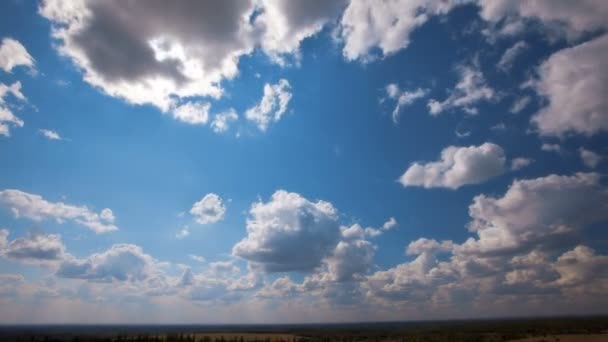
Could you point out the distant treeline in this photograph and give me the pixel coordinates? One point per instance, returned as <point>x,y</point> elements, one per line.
<point>473,330</point>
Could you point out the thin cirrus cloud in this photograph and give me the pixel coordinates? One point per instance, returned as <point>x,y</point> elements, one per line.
<point>470,89</point>
<point>35,207</point>
<point>403,98</point>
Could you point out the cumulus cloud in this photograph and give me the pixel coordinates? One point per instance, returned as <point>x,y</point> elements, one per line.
<point>590,158</point>
<point>403,98</point>
<point>289,233</point>
<point>520,162</point>
<point>551,147</point>
<point>163,53</point>
<point>221,121</point>
<point>386,25</point>
<point>351,259</point>
<point>192,113</point>
<point>508,58</point>
<point>572,19</point>
<point>37,249</point>
<point>532,211</point>
<point>391,223</point>
<point>286,23</point>
<point>7,117</point>
<point>470,89</point>
<point>526,243</point>
<point>272,106</point>
<point>14,54</point>
<point>573,82</point>
<point>458,166</point>
<point>121,262</point>
<point>50,134</point>
<point>210,209</point>
<point>34,207</point>
<point>581,265</point>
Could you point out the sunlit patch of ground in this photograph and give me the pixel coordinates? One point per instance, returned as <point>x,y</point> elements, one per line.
<point>567,338</point>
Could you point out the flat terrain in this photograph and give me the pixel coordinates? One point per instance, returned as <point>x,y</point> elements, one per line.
<point>576,329</point>
<point>568,338</point>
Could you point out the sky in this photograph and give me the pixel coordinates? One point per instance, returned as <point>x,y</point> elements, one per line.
<point>277,161</point>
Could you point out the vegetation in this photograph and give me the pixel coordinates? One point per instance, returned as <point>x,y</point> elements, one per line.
<point>480,330</point>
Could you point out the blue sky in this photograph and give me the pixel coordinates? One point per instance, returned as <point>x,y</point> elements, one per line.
<point>301,161</point>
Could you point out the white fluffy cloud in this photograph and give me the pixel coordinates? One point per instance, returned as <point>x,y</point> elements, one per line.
<point>387,25</point>
<point>470,89</point>
<point>403,98</point>
<point>34,207</point>
<point>286,23</point>
<point>573,18</point>
<point>162,53</point>
<point>289,233</point>
<point>37,249</point>
<point>574,83</point>
<point>122,262</point>
<point>7,117</point>
<point>520,162</point>
<point>527,243</point>
<point>13,54</point>
<point>50,134</point>
<point>532,211</point>
<point>458,166</point>
<point>590,158</point>
<point>221,121</point>
<point>272,106</point>
<point>192,113</point>
<point>210,209</point>
<point>551,147</point>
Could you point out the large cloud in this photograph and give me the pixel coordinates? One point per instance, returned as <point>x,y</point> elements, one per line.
<point>533,211</point>
<point>289,233</point>
<point>528,243</point>
<point>387,25</point>
<point>286,23</point>
<point>574,82</point>
<point>573,18</point>
<point>160,53</point>
<point>122,262</point>
<point>34,207</point>
<point>458,166</point>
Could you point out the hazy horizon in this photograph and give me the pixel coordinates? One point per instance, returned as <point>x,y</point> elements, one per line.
<point>285,162</point>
